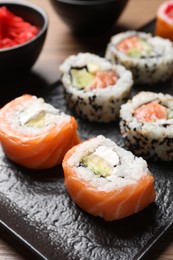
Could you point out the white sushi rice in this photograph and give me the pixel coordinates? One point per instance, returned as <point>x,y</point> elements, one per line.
<point>101,105</point>
<point>33,110</point>
<point>128,170</point>
<point>146,70</point>
<point>148,139</point>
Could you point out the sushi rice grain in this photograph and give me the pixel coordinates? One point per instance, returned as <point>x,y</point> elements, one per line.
<point>100,104</point>
<point>152,139</point>
<point>150,65</point>
<point>106,180</point>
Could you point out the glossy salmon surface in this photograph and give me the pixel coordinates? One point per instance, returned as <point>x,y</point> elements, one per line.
<point>111,205</point>
<point>40,149</point>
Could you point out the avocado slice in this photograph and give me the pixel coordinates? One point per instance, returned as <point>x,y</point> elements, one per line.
<point>134,53</point>
<point>145,50</point>
<point>97,165</point>
<point>170,113</point>
<point>81,78</point>
<point>38,120</point>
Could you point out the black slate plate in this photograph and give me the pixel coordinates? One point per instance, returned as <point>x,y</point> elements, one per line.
<point>35,206</point>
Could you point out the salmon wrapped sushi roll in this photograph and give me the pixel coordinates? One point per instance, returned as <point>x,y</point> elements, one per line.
<point>150,59</point>
<point>106,180</point>
<point>94,88</point>
<point>164,21</point>
<point>147,125</point>
<point>34,134</point>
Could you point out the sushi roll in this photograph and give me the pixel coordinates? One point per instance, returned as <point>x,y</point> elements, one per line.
<point>146,123</point>
<point>164,20</point>
<point>34,134</point>
<point>149,58</point>
<point>95,88</point>
<point>107,181</point>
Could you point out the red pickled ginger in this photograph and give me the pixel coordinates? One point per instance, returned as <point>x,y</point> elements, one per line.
<point>14,30</point>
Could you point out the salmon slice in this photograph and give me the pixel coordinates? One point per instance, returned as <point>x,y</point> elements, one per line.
<point>164,21</point>
<point>111,205</point>
<point>103,79</point>
<point>150,112</point>
<point>128,43</point>
<point>39,148</point>
<point>135,46</point>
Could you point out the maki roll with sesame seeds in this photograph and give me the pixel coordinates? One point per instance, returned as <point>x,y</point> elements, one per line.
<point>106,180</point>
<point>149,58</point>
<point>147,125</point>
<point>94,87</point>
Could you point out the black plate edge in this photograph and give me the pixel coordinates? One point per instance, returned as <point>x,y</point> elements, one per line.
<point>145,26</point>
<point>151,244</point>
<point>169,224</point>
<point>23,241</point>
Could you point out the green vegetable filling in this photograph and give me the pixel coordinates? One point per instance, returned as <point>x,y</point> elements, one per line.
<point>97,165</point>
<point>170,113</point>
<point>38,121</point>
<point>144,50</point>
<point>81,78</point>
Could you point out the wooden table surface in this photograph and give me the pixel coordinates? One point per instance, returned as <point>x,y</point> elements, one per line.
<point>60,43</point>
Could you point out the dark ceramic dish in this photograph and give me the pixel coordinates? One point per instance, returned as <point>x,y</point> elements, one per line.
<point>21,57</point>
<point>36,208</point>
<point>84,16</point>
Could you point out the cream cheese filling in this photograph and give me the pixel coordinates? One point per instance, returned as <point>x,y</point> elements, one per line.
<point>40,114</point>
<point>115,168</point>
<point>36,116</point>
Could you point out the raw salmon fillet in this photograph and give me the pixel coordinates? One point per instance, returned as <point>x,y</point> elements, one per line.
<point>111,205</point>
<point>35,147</point>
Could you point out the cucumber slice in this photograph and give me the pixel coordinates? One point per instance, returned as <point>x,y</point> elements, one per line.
<point>144,50</point>
<point>81,78</point>
<point>97,165</point>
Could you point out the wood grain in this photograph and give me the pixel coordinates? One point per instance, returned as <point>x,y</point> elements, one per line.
<point>60,43</point>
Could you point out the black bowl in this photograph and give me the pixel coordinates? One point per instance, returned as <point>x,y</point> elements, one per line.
<point>20,58</point>
<point>89,16</point>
